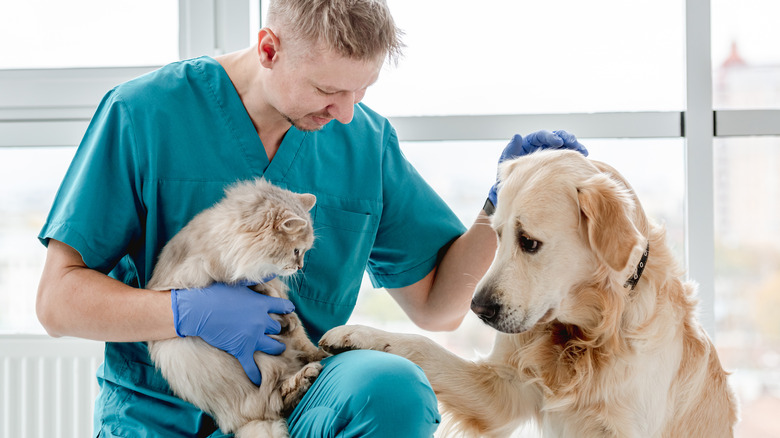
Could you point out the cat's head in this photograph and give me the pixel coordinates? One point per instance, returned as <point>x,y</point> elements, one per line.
<point>273,230</point>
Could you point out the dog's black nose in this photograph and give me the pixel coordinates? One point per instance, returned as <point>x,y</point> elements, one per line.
<point>485,311</point>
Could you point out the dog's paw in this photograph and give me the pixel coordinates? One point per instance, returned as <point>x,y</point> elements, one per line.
<point>353,337</point>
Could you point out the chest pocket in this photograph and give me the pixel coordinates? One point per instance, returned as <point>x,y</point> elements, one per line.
<point>334,267</point>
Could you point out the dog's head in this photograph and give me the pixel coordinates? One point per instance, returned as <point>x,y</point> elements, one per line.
<point>562,222</point>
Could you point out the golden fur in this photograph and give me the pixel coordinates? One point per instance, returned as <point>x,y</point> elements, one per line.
<point>250,234</point>
<point>576,351</point>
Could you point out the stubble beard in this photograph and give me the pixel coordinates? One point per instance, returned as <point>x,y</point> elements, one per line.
<point>298,126</point>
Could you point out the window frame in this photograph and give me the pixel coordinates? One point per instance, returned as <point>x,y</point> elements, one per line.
<point>52,107</point>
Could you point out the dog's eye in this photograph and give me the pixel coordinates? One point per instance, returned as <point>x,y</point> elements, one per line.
<point>296,251</point>
<point>529,245</point>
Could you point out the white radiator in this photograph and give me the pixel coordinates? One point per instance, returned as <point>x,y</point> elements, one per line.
<point>47,386</point>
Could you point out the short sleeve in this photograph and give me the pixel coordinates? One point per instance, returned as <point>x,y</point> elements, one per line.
<point>97,209</point>
<point>415,224</point>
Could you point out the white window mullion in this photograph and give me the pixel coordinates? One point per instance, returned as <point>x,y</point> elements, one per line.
<point>730,123</point>
<point>699,192</point>
<point>213,27</point>
<point>52,107</point>
<point>504,126</point>
<point>233,20</point>
<point>197,34</point>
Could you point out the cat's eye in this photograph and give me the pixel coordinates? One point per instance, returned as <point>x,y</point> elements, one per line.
<point>527,244</point>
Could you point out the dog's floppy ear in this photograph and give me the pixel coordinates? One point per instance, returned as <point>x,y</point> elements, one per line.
<point>608,209</point>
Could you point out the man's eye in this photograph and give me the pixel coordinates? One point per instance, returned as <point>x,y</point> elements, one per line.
<point>528,245</point>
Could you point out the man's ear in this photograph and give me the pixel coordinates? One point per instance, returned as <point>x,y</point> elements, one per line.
<point>267,47</point>
<point>608,209</point>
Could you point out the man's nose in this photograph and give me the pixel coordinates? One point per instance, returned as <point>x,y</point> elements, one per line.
<point>343,109</point>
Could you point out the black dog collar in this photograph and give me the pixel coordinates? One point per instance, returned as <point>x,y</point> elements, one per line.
<point>631,282</point>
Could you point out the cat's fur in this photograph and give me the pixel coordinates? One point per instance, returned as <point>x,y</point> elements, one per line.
<point>255,231</point>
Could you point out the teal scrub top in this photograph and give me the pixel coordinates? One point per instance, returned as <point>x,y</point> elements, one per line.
<point>164,146</point>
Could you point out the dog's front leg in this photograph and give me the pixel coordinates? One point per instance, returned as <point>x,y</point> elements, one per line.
<point>482,398</point>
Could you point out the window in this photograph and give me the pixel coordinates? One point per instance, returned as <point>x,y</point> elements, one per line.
<point>747,279</point>
<point>47,99</point>
<point>30,178</point>
<point>745,58</point>
<point>43,113</point>
<point>508,57</point>
<point>746,79</point>
<point>88,33</point>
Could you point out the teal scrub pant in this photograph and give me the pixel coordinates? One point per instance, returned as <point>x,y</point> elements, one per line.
<point>366,393</point>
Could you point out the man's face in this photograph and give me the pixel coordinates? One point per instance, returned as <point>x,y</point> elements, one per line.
<point>310,91</point>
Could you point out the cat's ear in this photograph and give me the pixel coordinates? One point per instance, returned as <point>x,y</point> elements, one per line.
<point>292,224</point>
<point>308,200</point>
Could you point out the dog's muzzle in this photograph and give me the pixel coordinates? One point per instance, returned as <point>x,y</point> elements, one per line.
<point>487,312</point>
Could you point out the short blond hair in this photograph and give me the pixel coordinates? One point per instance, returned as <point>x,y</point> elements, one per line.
<point>357,29</point>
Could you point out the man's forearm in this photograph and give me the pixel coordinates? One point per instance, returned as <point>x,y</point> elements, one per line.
<point>459,271</point>
<point>74,300</point>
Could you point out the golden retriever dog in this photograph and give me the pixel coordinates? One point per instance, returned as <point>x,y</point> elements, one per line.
<point>597,329</point>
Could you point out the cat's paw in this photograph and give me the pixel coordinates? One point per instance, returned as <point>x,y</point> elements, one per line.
<point>288,323</point>
<point>315,355</point>
<point>295,388</point>
<point>354,337</point>
<point>263,428</point>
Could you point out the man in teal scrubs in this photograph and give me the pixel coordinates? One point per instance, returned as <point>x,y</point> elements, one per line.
<point>164,146</point>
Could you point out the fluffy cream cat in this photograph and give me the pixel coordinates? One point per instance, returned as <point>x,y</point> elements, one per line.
<point>255,231</point>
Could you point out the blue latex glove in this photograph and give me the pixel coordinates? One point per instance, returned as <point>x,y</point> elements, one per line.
<point>520,146</point>
<point>232,318</point>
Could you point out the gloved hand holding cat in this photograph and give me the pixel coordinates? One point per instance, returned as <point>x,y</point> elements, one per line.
<point>232,318</point>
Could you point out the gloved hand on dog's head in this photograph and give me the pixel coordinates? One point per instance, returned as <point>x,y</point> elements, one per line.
<point>534,141</point>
